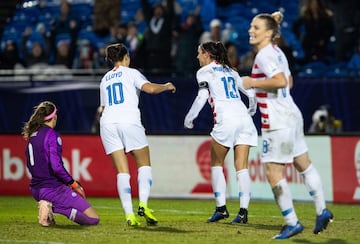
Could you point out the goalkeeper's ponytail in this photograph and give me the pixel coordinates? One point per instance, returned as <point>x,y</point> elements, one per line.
<point>37,119</point>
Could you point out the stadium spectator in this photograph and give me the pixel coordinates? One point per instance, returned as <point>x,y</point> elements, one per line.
<point>64,32</point>
<point>282,125</point>
<point>186,38</point>
<point>51,185</point>
<point>313,28</point>
<point>346,23</point>
<point>140,21</point>
<point>99,58</point>
<point>106,15</point>
<point>134,41</point>
<point>118,33</point>
<point>35,48</point>
<point>65,50</point>
<point>246,62</point>
<point>84,58</point>
<point>10,56</point>
<point>158,36</point>
<point>219,84</point>
<point>215,33</point>
<point>233,55</point>
<point>119,94</point>
<point>65,21</point>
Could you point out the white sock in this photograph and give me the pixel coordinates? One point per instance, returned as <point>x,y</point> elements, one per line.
<point>244,183</point>
<point>314,186</point>
<point>283,198</point>
<point>124,191</point>
<point>219,185</point>
<point>145,182</point>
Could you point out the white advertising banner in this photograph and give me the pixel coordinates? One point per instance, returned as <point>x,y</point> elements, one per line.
<point>181,168</point>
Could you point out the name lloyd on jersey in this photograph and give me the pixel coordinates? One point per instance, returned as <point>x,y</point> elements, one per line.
<point>14,168</point>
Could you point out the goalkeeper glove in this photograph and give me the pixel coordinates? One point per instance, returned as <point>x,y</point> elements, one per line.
<point>76,187</point>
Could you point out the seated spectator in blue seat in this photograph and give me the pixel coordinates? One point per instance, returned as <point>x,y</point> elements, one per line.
<point>10,56</point>
<point>84,58</point>
<point>35,46</point>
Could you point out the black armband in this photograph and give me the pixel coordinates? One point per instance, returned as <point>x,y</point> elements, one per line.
<point>203,84</point>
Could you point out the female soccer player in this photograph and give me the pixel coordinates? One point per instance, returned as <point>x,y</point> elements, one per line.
<point>282,125</point>
<point>233,126</point>
<point>51,184</point>
<point>121,130</point>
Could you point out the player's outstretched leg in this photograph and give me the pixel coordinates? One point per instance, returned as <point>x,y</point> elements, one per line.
<point>147,213</point>
<point>220,213</point>
<point>323,220</point>
<point>46,215</point>
<point>241,217</point>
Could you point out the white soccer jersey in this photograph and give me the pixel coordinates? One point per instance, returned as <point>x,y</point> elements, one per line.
<point>119,94</point>
<point>277,107</point>
<point>224,96</point>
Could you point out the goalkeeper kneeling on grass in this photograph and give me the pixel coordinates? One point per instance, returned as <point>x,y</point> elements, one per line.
<point>51,184</point>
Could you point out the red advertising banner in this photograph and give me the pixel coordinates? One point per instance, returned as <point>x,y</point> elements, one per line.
<point>346,169</point>
<point>83,156</point>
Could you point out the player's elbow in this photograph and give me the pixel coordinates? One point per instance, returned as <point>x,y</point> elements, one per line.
<point>150,88</point>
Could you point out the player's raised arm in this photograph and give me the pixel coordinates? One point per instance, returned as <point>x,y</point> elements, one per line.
<point>153,88</point>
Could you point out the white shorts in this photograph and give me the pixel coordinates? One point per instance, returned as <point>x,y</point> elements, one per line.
<point>230,135</point>
<point>283,145</point>
<point>122,136</point>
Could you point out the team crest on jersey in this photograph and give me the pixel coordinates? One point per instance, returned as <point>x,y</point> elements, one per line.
<point>59,141</point>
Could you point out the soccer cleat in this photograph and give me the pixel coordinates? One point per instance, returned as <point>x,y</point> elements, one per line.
<point>46,216</point>
<point>288,231</point>
<point>323,220</point>
<point>146,212</point>
<point>218,215</point>
<point>131,220</point>
<point>241,217</point>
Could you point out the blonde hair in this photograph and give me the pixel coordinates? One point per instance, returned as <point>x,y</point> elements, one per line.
<point>272,22</point>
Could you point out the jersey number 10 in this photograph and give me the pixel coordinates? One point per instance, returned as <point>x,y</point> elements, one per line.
<point>115,93</point>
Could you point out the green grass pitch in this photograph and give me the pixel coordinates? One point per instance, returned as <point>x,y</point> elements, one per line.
<point>180,221</point>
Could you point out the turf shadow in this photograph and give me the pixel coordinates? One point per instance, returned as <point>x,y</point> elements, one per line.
<point>162,229</point>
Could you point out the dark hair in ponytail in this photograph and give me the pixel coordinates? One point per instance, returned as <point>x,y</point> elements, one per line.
<point>217,52</point>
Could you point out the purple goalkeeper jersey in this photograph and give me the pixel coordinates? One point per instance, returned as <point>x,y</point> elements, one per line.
<point>44,159</point>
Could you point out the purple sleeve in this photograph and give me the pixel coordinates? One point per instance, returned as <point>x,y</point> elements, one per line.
<point>55,156</point>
